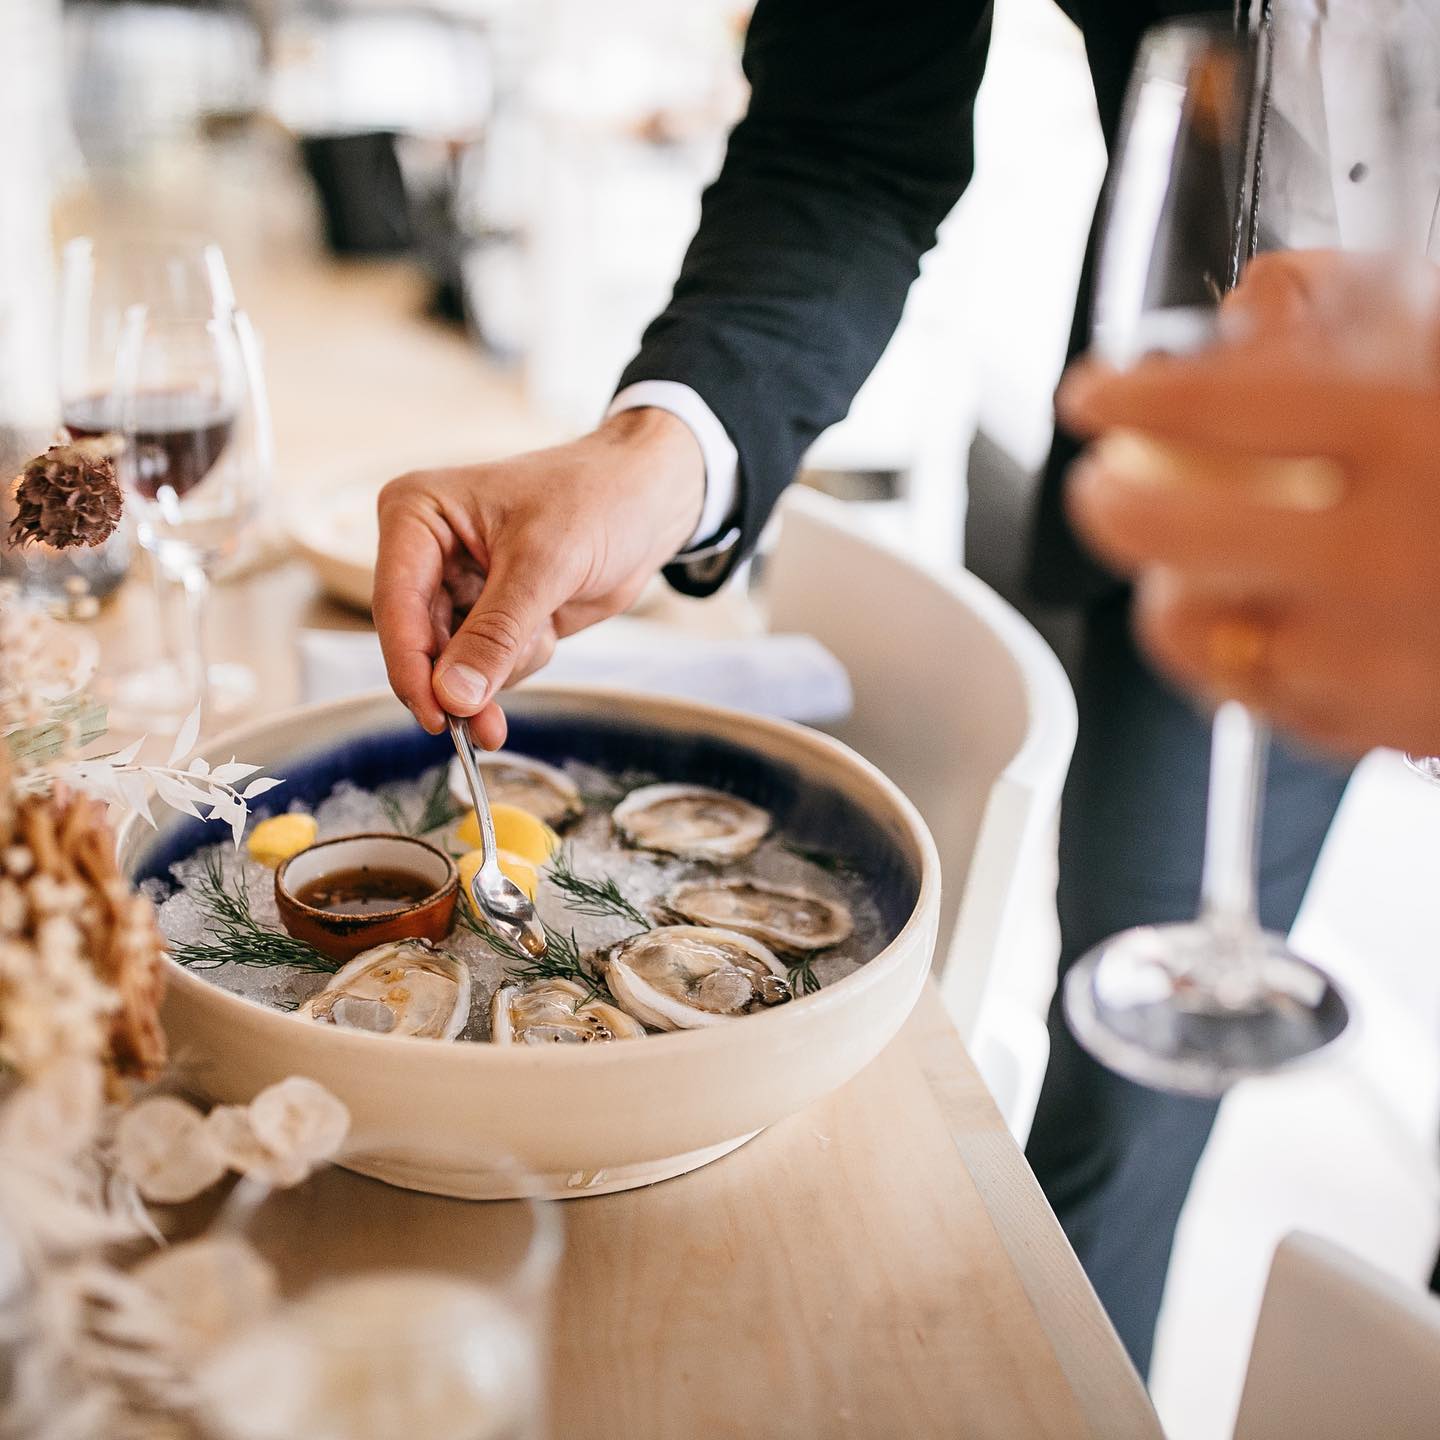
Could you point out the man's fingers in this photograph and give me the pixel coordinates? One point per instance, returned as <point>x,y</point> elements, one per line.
<point>407,579</point>
<point>1135,522</point>
<point>521,593</point>
<point>489,728</point>
<point>1263,400</point>
<point>1313,670</point>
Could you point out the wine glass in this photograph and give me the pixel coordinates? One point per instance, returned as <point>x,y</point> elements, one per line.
<point>398,1313</point>
<point>1193,1007</point>
<point>189,401</point>
<point>1428,766</point>
<point>175,276</point>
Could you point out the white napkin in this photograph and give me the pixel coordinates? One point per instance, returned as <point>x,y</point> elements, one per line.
<point>792,677</point>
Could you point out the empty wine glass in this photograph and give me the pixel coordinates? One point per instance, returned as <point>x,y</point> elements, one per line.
<point>189,402</point>
<point>1193,1007</point>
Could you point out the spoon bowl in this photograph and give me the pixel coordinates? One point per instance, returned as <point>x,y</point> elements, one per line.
<point>498,900</point>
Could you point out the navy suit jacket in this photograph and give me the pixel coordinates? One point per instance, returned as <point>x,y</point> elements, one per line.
<point>858,141</point>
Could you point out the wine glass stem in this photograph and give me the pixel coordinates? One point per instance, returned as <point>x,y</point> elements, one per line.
<point>1239,747</point>
<point>197,595</point>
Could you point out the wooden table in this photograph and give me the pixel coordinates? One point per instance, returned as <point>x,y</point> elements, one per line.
<point>880,1265</point>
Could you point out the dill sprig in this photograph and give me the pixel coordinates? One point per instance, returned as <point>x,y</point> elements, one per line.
<point>562,959</point>
<point>586,896</point>
<point>803,979</point>
<point>437,809</point>
<point>821,859</point>
<point>236,935</point>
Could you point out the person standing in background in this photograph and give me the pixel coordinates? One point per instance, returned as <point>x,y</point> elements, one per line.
<point>857,142</point>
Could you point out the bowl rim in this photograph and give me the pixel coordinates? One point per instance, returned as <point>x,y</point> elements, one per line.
<point>873,973</point>
<point>369,917</point>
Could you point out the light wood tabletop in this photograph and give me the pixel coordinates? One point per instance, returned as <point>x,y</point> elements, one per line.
<point>880,1265</point>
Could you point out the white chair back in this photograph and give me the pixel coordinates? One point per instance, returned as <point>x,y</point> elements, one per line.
<point>958,700</point>
<point>1341,1352</point>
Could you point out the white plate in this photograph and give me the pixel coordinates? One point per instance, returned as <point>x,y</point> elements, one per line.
<point>337,532</point>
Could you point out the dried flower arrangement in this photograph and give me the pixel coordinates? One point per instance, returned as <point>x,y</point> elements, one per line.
<point>94,1341</point>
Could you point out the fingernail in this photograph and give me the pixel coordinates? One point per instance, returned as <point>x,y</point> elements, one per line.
<point>459,685</point>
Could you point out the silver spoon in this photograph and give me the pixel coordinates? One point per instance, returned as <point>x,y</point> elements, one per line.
<point>498,898</point>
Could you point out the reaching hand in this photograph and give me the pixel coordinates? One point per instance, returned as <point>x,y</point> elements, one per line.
<point>481,568</point>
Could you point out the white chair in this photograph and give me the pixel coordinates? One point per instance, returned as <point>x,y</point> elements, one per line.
<point>961,703</point>
<point>1341,1352</point>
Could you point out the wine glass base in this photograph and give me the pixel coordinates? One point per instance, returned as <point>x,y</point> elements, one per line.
<point>1136,1003</point>
<point>158,698</point>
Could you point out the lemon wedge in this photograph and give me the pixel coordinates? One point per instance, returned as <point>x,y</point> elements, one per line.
<point>275,840</point>
<point>516,830</point>
<point>512,866</point>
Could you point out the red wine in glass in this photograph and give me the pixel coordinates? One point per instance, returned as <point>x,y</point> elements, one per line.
<point>177,435</point>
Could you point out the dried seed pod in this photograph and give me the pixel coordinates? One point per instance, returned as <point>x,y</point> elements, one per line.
<point>163,1146</point>
<point>68,496</point>
<point>300,1118</point>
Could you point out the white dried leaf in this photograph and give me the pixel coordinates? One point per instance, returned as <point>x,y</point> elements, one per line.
<point>232,771</point>
<point>259,787</point>
<point>127,756</point>
<point>97,780</point>
<point>175,795</point>
<point>211,1288</point>
<point>299,1117</point>
<point>185,740</point>
<point>135,794</point>
<point>163,1146</point>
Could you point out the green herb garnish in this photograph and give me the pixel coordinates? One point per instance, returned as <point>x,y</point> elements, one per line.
<point>438,808</point>
<point>237,936</point>
<point>592,897</point>
<point>561,960</point>
<point>803,979</point>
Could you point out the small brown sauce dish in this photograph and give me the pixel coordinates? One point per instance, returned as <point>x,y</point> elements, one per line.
<point>343,896</point>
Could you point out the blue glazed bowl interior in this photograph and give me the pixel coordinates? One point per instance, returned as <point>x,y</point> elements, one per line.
<point>812,815</point>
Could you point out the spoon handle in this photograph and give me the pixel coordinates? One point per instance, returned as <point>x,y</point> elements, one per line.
<point>466,751</point>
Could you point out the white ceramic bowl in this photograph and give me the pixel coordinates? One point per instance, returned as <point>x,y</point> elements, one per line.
<point>588,1118</point>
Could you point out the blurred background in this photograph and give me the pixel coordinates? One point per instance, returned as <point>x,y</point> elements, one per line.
<point>449,223</point>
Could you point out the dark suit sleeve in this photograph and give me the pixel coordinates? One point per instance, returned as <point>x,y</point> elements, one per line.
<point>857,143</point>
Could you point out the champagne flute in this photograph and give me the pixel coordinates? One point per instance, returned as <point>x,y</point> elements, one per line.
<point>1193,1007</point>
<point>190,404</point>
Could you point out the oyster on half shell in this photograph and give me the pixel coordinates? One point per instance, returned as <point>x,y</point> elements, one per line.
<point>686,977</point>
<point>788,919</point>
<point>551,1012</point>
<point>691,822</point>
<point>527,784</point>
<point>403,988</point>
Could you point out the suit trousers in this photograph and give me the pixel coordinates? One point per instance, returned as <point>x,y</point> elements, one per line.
<point>1116,1159</point>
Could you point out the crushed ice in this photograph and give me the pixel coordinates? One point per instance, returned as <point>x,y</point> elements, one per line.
<point>642,878</point>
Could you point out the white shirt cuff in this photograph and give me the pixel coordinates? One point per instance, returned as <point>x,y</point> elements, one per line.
<point>717,450</point>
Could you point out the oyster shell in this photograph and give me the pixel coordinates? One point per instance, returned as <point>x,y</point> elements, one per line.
<point>690,821</point>
<point>550,1012</point>
<point>527,784</point>
<point>404,988</point>
<point>685,977</point>
<point>788,919</point>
